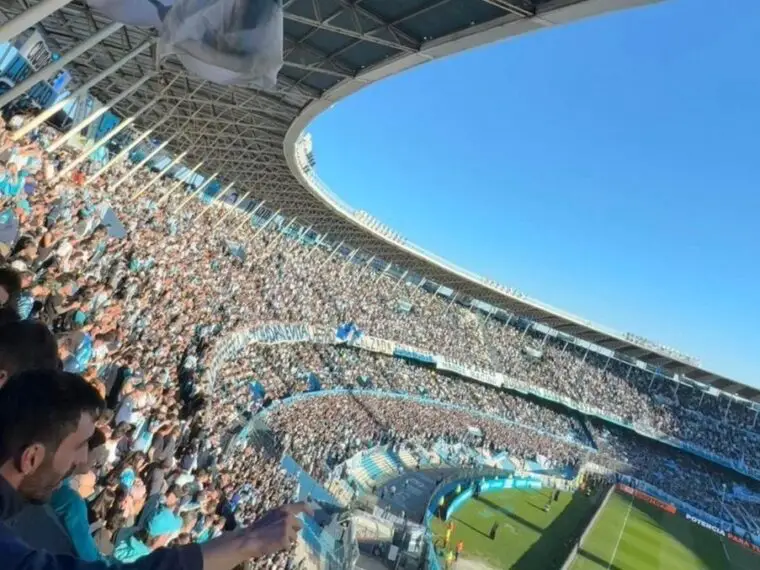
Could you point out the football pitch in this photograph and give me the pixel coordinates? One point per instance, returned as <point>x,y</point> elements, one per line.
<point>631,534</point>
<point>527,538</point>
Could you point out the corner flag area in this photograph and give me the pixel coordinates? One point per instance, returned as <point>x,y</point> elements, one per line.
<point>631,534</point>
<point>527,536</point>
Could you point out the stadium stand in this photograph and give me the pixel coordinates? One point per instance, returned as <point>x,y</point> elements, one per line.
<point>248,364</point>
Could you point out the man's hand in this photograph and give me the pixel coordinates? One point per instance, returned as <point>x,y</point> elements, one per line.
<point>276,530</point>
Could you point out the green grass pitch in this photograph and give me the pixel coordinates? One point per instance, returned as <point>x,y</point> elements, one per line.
<point>631,534</point>
<point>528,537</point>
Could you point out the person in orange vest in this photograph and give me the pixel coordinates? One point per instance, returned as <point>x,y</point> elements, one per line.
<point>447,539</point>
<point>460,548</point>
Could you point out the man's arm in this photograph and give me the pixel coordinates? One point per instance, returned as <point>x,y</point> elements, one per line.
<point>275,531</point>
<point>16,555</point>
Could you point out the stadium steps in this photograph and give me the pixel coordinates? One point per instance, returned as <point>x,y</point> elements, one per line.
<point>361,479</point>
<point>407,459</point>
<point>394,460</point>
<point>367,473</point>
<point>390,463</point>
<point>374,466</point>
<point>587,432</point>
<point>342,491</point>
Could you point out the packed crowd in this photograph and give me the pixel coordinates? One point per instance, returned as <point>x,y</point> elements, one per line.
<point>127,318</point>
<point>284,370</point>
<point>137,307</point>
<point>682,475</point>
<point>659,405</point>
<point>323,432</point>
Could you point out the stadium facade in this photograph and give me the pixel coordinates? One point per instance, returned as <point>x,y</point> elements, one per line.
<point>254,141</point>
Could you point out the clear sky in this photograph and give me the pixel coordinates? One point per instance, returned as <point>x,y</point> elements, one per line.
<point>610,168</point>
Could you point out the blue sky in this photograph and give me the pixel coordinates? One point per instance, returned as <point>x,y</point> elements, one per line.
<point>610,168</point>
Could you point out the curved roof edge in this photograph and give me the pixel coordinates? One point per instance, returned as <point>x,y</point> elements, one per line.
<point>555,13</point>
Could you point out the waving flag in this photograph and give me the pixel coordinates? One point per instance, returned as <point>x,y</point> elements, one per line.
<point>347,332</point>
<point>232,42</point>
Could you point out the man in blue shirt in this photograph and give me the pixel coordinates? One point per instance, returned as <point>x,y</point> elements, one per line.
<point>36,456</point>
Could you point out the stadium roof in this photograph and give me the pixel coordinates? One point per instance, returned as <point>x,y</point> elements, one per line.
<point>332,49</point>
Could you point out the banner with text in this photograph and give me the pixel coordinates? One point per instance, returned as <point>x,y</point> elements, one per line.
<point>667,507</point>
<point>411,353</point>
<point>275,333</point>
<point>474,372</point>
<point>374,344</point>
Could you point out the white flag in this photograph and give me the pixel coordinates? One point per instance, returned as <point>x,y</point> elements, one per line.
<point>232,42</point>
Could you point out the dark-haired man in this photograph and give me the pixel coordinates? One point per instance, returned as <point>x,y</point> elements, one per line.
<point>26,345</point>
<point>10,285</point>
<point>47,418</point>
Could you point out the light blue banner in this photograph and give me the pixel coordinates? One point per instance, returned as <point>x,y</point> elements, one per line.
<point>413,355</point>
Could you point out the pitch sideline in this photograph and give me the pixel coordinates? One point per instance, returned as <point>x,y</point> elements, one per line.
<point>622,532</point>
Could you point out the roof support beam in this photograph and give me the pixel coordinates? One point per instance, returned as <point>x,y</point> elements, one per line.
<point>28,18</point>
<point>350,33</point>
